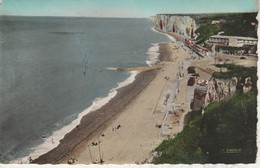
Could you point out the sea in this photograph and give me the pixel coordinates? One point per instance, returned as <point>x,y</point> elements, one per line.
<point>54,70</point>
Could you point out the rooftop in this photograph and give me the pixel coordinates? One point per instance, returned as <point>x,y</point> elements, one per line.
<point>234,37</point>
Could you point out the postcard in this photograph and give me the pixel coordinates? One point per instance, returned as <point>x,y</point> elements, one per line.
<point>146,83</point>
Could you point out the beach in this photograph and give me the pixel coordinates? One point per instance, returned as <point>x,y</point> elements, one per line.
<point>126,125</point>
<point>132,124</point>
<point>91,90</point>
<point>58,83</point>
<point>131,134</point>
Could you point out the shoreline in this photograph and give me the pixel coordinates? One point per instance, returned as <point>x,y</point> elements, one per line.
<point>53,141</point>
<point>138,134</point>
<point>96,119</point>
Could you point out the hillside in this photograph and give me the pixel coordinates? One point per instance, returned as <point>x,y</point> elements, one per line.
<point>238,24</point>
<point>226,133</point>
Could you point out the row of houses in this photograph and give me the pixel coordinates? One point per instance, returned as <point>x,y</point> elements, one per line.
<point>201,51</point>
<point>224,41</point>
<point>242,45</point>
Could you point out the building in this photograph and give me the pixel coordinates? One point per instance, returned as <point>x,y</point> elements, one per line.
<point>215,22</point>
<point>232,41</point>
<point>221,21</point>
<point>199,98</point>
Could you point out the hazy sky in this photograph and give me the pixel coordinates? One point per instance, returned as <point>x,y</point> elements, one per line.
<point>121,8</point>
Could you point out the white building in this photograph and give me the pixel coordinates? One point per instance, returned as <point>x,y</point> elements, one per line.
<point>232,41</point>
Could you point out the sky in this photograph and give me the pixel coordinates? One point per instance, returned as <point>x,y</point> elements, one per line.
<point>121,8</point>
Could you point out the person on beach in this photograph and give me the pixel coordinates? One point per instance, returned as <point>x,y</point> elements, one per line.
<point>166,100</point>
<point>30,159</point>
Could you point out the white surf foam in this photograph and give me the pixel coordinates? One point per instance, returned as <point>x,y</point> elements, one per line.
<point>111,68</point>
<point>53,141</point>
<point>153,53</point>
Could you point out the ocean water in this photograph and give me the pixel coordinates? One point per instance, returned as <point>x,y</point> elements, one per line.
<point>54,70</point>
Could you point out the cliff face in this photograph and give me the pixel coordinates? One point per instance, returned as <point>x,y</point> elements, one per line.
<point>183,25</point>
<point>216,90</point>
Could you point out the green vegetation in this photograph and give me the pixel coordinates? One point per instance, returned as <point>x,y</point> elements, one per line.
<point>238,71</point>
<point>207,30</point>
<point>226,133</point>
<point>230,130</point>
<point>217,17</point>
<point>184,147</point>
<point>187,30</point>
<point>238,24</point>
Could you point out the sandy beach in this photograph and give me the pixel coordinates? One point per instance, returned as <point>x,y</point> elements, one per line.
<point>133,134</point>
<point>100,85</point>
<point>128,128</point>
<point>132,124</point>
